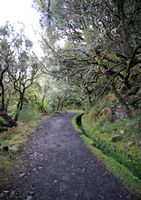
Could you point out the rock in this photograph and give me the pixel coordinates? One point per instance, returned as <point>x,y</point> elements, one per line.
<point>1,195</point>
<point>122,131</point>
<point>29,198</point>
<point>40,167</point>
<point>31,193</point>
<point>76,194</point>
<point>6,191</point>
<point>83,170</point>
<point>116,138</point>
<point>13,149</point>
<point>12,193</point>
<point>118,112</point>
<point>22,175</point>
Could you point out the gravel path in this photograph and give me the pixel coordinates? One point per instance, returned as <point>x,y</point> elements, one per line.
<point>56,165</point>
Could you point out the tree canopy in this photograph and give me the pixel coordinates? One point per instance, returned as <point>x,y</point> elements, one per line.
<point>90,47</point>
<point>18,69</point>
<point>102,49</point>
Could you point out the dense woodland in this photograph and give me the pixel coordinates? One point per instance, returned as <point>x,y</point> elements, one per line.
<point>102,48</point>
<point>91,62</point>
<point>101,53</point>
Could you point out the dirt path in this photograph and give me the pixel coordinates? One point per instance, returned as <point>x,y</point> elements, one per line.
<point>56,165</point>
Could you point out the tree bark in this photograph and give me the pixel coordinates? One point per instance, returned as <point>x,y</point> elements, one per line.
<point>124,27</point>
<point>122,101</point>
<point>19,105</point>
<point>9,120</point>
<point>2,106</point>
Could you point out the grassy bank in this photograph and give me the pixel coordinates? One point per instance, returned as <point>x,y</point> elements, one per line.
<point>120,140</point>
<point>102,145</point>
<point>132,182</point>
<point>12,140</point>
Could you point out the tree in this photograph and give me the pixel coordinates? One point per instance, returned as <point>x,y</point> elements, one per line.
<point>103,46</point>
<point>22,77</point>
<point>6,60</point>
<point>18,69</point>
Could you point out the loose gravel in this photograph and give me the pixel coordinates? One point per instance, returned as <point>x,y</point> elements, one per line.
<point>56,165</point>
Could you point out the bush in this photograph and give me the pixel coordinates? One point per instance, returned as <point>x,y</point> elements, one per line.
<point>28,113</point>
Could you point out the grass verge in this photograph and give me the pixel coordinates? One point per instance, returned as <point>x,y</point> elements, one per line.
<point>75,123</point>
<point>118,140</point>
<point>132,182</point>
<point>12,140</point>
<point>79,111</point>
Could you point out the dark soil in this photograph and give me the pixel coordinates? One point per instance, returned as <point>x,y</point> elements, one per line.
<point>56,165</point>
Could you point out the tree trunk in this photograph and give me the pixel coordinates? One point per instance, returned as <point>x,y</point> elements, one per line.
<point>19,105</point>
<point>2,106</point>
<point>124,27</point>
<point>9,120</point>
<point>122,101</point>
<point>7,102</point>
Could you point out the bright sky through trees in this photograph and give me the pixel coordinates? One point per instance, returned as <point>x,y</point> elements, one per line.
<point>16,11</point>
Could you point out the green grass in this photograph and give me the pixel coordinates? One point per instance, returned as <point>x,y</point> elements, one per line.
<point>126,150</point>
<point>14,138</point>
<point>75,110</point>
<point>120,140</point>
<point>6,164</point>
<point>132,182</point>
<point>28,114</point>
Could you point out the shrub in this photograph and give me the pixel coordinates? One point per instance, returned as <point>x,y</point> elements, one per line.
<point>28,113</point>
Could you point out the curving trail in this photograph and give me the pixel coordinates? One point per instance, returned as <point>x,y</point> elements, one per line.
<point>56,165</point>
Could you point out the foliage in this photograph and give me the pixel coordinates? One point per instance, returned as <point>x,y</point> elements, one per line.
<point>102,51</point>
<point>14,138</point>
<point>120,140</point>
<point>18,70</point>
<point>28,113</point>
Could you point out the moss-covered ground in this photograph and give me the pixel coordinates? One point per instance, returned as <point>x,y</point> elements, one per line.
<point>11,141</point>
<point>117,144</point>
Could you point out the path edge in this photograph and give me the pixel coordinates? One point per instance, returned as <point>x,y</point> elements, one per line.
<point>118,170</point>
